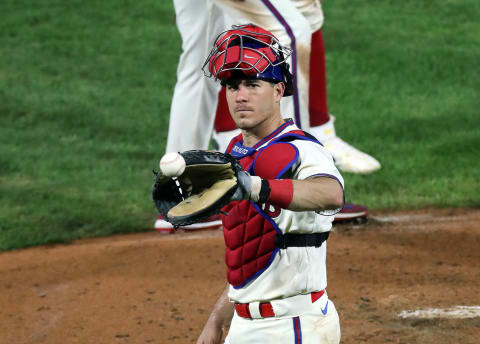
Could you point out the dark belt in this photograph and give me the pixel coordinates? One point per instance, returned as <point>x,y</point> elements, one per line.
<point>266,309</point>
<point>300,240</point>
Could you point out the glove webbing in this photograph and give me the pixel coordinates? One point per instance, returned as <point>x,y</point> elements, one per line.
<point>301,240</point>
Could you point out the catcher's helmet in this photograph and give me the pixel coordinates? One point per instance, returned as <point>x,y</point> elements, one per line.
<point>250,51</point>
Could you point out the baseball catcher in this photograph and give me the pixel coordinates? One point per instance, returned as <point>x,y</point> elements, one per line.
<point>277,189</point>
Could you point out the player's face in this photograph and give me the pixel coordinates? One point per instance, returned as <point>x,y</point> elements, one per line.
<point>252,102</point>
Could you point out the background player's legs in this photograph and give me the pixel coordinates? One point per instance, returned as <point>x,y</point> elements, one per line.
<point>293,30</point>
<point>319,120</point>
<point>281,18</point>
<point>195,97</point>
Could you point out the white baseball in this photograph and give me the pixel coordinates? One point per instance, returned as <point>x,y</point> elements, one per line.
<point>172,164</point>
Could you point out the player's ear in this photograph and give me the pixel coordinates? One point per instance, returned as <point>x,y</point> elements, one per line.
<point>279,89</point>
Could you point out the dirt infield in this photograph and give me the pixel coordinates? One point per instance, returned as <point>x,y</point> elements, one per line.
<point>151,288</point>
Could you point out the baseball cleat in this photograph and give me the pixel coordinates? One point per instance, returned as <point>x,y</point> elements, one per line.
<point>164,227</point>
<point>346,157</point>
<point>352,212</point>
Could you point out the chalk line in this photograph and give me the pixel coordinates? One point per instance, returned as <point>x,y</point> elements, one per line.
<point>459,312</point>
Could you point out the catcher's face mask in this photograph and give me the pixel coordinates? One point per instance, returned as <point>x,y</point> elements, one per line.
<point>254,52</point>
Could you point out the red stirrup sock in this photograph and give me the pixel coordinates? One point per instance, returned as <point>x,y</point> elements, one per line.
<point>318,82</point>
<point>223,119</point>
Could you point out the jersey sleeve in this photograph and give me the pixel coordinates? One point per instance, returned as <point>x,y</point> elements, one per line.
<point>316,161</point>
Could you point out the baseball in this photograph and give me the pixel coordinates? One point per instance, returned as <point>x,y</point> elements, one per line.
<point>172,164</point>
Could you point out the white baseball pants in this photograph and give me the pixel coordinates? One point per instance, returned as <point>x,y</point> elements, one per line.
<point>320,325</point>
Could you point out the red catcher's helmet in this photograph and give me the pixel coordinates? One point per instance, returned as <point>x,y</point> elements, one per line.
<point>254,52</point>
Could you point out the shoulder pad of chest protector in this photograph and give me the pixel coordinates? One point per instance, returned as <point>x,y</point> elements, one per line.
<point>275,160</point>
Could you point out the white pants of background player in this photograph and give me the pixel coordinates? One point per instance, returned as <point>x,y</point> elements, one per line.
<point>199,21</point>
<point>318,326</point>
<point>195,97</point>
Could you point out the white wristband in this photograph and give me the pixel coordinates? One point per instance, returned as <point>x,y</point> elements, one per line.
<point>255,188</point>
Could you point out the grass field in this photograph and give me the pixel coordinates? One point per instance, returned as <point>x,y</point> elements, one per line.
<point>85,90</point>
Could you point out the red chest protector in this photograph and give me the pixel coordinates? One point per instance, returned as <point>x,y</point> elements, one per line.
<point>249,229</point>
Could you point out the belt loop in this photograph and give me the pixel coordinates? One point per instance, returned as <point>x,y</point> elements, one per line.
<point>254,308</point>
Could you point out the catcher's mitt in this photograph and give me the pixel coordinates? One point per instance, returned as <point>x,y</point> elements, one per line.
<point>208,183</point>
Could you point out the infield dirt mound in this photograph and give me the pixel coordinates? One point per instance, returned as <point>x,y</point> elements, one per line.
<point>149,288</point>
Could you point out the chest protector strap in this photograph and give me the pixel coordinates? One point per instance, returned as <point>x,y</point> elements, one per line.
<point>283,241</point>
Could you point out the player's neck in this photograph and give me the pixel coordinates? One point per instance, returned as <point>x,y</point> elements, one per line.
<point>252,136</point>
